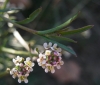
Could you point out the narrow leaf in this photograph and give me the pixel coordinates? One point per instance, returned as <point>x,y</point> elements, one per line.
<point>61,45</point>
<point>5,10</point>
<point>31,17</point>
<point>60,26</point>
<point>61,38</point>
<point>79,30</point>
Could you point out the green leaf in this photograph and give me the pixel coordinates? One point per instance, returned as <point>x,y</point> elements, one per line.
<point>76,31</point>
<point>61,38</point>
<point>68,49</point>
<point>5,10</point>
<point>60,26</point>
<point>31,17</point>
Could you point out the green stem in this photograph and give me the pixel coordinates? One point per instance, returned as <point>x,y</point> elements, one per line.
<point>2,74</point>
<point>12,51</point>
<point>19,26</point>
<point>5,4</point>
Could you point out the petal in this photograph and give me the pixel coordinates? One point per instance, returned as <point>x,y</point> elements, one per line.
<point>44,61</point>
<point>52,48</point>
<point>14,76</point>
<point>19,80</point>
<point>43,66</point>
<point>31,69</point>
<point>45,45</point>
<point>59,54</point>
<point>19,75</point>
<point>28,59</point>
<point>26,75</point>
<point>62,62</point>
<point>55,45</point>
<point>52,70</point>
<point>59,50</point>
<point>44,56</point>
<point>11,72</point>
<point>40,55</point>
<point>18,56</point>
<point>26,80</point>
<point>38,60</point>
<point>17,64</point>
<point>58,66</point>
<point>33,64</point>
<point>50,44</point>
<point>14,60</point>
<point>39,64</point>
<point>46,70</point>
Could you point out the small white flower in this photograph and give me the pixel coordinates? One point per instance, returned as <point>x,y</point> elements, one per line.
<point>22,69</point>
<point>47,46</point>
<point>50,58</point>
<point>47,52</point>
<point>17,60</point>
<point>28,62</point>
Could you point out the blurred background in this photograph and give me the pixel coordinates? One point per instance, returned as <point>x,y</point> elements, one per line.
<point>81,70</point>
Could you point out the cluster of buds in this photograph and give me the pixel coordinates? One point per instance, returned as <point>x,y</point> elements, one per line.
<point>22,69</point>
<point>50,58</point>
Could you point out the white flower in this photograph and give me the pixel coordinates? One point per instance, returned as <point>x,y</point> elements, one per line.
<point>47,52</point>
<point>17,60</point>
<point>28,62</point>
<point>41,60</point>
<point>47,46</point>
<point>22,78</point>
<point>22,69</point>
<point>50,58</point>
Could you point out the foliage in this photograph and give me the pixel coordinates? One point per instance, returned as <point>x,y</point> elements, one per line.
<point>54,35</point>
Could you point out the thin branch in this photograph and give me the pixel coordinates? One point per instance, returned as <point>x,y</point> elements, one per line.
<point>12,51</point>
<point>19,26</point>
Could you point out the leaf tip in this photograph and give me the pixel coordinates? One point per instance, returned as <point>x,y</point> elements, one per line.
<point>92,25</point>
<point>40,8</point>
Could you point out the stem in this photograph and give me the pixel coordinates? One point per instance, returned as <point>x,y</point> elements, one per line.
<point>20,26</point>
<point>5,4</point>
<point>12,51</point>
<point>2,74</point>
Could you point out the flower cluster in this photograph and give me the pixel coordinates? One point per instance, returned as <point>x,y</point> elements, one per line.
<point>22,69</point>
<point>50,58</point>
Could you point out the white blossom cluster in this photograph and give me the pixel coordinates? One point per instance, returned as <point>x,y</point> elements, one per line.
<point>50,58</point>
<point>22,69</point>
